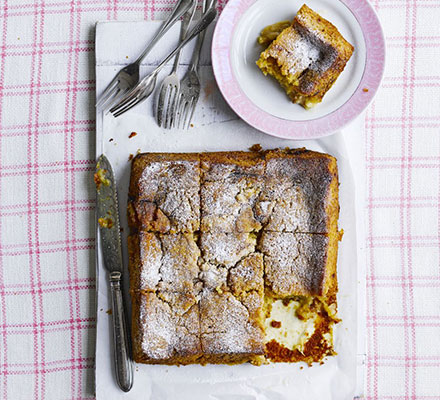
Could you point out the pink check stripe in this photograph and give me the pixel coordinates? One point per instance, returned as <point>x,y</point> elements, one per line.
<point>407,374</point>
<point>47,281</point>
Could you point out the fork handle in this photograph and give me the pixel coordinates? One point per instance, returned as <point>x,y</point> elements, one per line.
<point>186,20</point>
<point>199,44</point>
<point>181,8</point>
<point>203,23</point>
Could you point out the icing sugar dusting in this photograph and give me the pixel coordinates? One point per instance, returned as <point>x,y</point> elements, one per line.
<point>179,264</point>
<point>168,262</point>
<point>226,327</point>
<point>151,261</point>
<point>213,276</point>
<point>294,263</point>
<point>174,187</point>
<point>164,332</point>
<point>158,329</point>
<point>303,54</point>
<point>226,248</point>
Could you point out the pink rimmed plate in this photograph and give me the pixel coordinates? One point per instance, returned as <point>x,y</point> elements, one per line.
<point>260,101</point>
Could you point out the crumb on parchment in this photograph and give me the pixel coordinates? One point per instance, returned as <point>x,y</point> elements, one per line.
<point>256,147</point>
<point>132,134</point>
<point>275,324</point>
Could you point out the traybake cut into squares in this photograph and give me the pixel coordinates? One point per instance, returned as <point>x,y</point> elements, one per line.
<point>233,256</point>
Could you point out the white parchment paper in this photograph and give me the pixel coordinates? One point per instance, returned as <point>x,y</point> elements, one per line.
<point>217,128</point>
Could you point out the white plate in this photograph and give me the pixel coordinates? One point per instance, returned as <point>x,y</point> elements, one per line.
<point>266,93</point>
<point>260,101</point>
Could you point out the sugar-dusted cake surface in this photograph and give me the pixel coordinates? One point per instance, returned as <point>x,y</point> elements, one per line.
<point>164,193</point>
<point>231,235</point>
<point>305,57</point>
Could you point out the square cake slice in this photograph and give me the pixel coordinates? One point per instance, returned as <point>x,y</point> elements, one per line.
<point>306,58</point>
<point>162,333</point>
<point>163,262</point>
<point>231,311</point>
<point>231,327</point>
<point>164,193</point>
<point>300,295</point>
<point>300,193</point>
<point>230,186</point>
<point>299,264</point>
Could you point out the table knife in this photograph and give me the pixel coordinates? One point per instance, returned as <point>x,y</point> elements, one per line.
<point>108,222</point>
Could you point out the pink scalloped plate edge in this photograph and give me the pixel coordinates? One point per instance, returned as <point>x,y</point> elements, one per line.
<point>308,129</point>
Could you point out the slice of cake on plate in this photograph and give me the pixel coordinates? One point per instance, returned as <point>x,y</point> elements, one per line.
<point>306,58</point>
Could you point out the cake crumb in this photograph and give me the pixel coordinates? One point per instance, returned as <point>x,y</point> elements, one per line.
<point>191,125</point>
<point>132,134</point>
<point>275,324</point>
<point>130,157</point>
<point>256,147</point>
<point>100,179</point>
<point>105,222</point>
<point>365,89</point>
<point>109,311</point>
<point>111,139</point>
<point>340,234</point>
<point>286,302</point>
<point>138,151</point>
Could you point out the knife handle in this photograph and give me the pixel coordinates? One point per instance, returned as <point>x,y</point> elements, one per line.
<point>123,364</point>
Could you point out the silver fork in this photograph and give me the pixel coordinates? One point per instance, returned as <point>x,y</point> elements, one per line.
<point>146,86</point>
<point>128,76</point>
<point>171,84</point>
<point>190,84</point>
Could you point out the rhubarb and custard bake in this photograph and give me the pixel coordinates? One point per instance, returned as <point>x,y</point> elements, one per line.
<point>305,56</point>
<point>232,256</point>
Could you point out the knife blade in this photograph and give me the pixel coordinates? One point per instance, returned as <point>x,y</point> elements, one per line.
<point>110,239</point>
<point>108,215</point>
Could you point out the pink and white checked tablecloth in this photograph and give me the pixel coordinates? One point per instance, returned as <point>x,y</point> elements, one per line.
<point>47,278</point>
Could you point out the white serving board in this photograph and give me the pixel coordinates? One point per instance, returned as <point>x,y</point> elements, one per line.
<point>217,128</point>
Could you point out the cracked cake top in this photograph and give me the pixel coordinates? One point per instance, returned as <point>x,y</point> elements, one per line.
<point>164,192</point>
